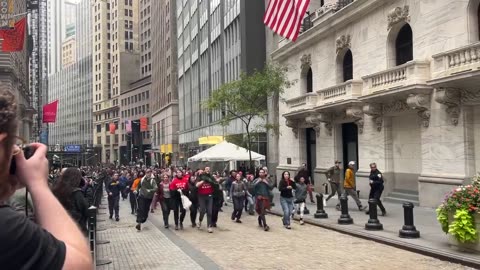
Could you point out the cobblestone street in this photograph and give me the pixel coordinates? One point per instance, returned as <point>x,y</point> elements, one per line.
<point>246,246</point>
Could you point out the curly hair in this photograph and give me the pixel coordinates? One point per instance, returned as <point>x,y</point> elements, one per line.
<point>8,125</point>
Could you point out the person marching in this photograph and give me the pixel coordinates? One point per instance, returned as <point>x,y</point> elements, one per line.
<point>376,187</point>
<point>114,189</point>
<point>333,177</point>
<point>165,198</point>
<point>349,185</point>
<point>178,187</point>
<point>286,187</point>
<point>300,198</point>
<point>238,192</point>
<point>146,190</point>
<point>193,191</point>
<point>262,194</point>
<point>205,197</point>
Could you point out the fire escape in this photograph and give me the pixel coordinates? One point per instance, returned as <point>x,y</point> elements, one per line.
<point>38,49</point>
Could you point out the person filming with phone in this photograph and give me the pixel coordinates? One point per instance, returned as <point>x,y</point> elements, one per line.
<point>55,242</point>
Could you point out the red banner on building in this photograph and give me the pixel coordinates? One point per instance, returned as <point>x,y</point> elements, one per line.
<point>50,112</point>
<point>143,124</point>
<point>13,39</point>
<point>112,128</point>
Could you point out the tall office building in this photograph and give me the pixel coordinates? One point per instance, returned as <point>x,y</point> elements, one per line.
<point>72,87</point>
<point>164,94</point>
<point>115,65</point>
<point>214,47</point>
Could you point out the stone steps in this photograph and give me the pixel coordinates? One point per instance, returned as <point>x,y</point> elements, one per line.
<point>401,196</point>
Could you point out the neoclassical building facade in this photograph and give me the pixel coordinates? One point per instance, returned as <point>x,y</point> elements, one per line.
<point>391,82</point>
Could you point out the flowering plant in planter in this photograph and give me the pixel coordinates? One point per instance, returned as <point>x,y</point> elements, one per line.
<point>463,202</point>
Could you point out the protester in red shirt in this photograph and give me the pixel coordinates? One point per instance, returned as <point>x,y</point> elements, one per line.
<point>205,197</point>
<point>179,183</point>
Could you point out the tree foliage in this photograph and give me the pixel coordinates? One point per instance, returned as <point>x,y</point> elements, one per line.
<point>246,98</point>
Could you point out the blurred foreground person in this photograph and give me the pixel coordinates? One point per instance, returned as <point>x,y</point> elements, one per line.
<point>56,242</point>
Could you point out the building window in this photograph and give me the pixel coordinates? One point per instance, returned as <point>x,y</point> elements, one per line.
<point>309,80</point>
<point>404,45</point>
<point>347,66</point>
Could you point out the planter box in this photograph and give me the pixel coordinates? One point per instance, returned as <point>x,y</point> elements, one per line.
<point>467,247</point>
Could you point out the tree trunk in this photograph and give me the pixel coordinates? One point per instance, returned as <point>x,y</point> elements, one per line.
<point>249,144</point>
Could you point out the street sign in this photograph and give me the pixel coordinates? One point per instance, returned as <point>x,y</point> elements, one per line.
<point>72,148</point>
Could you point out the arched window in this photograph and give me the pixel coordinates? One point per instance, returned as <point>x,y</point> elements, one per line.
<point>347,66</point>
<point>478,21</point>
<point>404,45</point>
<point>309,80</point>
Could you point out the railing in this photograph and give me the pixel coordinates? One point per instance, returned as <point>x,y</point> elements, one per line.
<point>306,101</point>
<point>347,90</point>
<point>463,59</point>
<point>413,72</point>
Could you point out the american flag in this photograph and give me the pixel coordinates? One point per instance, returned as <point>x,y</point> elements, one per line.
<point>284,17</point>
<point>128,125</point>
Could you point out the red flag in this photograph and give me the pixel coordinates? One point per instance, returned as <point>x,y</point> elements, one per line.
<point>143,124</point>
<point>50,112</point>
<point>13,39</point>
<point>285,17</point>
<point>112,128</point>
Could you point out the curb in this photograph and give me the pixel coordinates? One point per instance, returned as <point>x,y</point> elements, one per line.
<point>435,253</point>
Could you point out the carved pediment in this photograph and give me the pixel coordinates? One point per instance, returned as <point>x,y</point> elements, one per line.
<point>342,42</point>
<point>397,15</point>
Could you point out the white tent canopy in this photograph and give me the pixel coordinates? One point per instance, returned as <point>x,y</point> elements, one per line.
<point>225,151</point>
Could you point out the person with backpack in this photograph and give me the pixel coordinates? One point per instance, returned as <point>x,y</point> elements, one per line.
<point>146,190</point>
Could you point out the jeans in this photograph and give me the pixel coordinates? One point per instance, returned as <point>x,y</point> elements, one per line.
<point>238,203</point>
<point>166,205</point>
<point>133,202</point>
<point>205,202</point>
<point>217,205</point>
<point>193,212</point>
<point>287,207</point>
<point>143,209</point>
<point>178,207</point>
<point>113,204</point>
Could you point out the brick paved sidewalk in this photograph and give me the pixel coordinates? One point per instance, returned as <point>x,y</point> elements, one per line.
<point>432,239</point>
<point>128,249</point>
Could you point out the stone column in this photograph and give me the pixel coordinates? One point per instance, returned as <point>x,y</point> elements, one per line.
<point>447,147</point>
<point>325,155</point>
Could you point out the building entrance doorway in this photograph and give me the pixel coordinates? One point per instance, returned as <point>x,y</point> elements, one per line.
<point>310,143</point>
<point>350,144</point>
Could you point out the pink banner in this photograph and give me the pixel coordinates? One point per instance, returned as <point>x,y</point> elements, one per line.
<point>50,112</point>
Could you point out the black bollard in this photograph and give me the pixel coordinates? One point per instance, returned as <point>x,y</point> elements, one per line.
<point>408,230</point>
<point>320,212</point>
<point>373,223</point>
<point>345,218</point>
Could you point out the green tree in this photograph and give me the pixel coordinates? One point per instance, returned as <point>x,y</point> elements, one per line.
<point>246,99</point>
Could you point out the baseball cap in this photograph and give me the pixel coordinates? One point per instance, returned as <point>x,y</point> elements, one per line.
<point>351,163</point>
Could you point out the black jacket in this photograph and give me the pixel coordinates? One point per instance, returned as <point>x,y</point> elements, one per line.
<point>284,191</point>
<point>377,179</point>
<point>78,210</point>
<point>115,188</point>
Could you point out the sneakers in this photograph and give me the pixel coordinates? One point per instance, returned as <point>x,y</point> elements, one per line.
<point>266,228</point>
<point>194,225</point>
<point>166,226</point>
<point>238,221</point>
<point>288,227</point>
<point>199,225</point>
<point>117,219</point>
<point>210,230</point>
<point>176,227</point>
<point>361,208</point>
<point>301,221</point>
<point>138,227</point>
<point>110,217</point>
